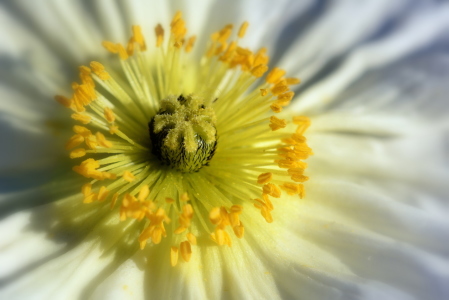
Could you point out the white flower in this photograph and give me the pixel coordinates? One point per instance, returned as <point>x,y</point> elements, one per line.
<point>373,223</point>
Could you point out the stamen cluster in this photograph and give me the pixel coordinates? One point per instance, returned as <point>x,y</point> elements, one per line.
<point>257,157</point>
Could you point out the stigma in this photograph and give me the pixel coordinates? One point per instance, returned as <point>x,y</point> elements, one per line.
<point>186,149</point>
<point>183,133</point>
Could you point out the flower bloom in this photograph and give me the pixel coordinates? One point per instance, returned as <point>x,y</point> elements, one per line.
<point>186,176</point>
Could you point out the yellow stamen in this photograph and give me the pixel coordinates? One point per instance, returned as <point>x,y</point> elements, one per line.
<point>264,178</point>
<point>159,35</point>
<point>173,256</point>
<point>101,140</point>
<point>242,29</point>
<point>138,37</point>
<point>272,190</point>
<point>259,70</point>
<point>63,100</point>
<point>190,43</point>
<point>186,250</point>
<point>102,193</point>
<point>80,152</point>
<point>74,141</point>
<point>125,98</point>
<point>276,124</point>
<point>109,115</point>
<point>85,119</point>
<point>191,238</point>
<point>128,176</point>
<point>275,75</point>
<point>99,70</point>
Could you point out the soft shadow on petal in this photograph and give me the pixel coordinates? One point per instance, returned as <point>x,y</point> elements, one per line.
<point>416,32</point>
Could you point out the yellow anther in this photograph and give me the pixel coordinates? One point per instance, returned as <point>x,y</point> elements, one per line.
<point>225,33</point>
<point>81,130</point>
<point>91,142</point>
<point>302,122</point>
<point>80,152</point>
<point>178,44</point>
<point>184,218</point>
<point>191,238</point>
<point>275,107</point>
<point>239,230</point>
<point>113,129</point>
<point>128,176</point>
<point>88,170</point>
<point>91,198</point>
<point>234,219</point>
<point>176,17</point>
<point>261,57</point>
<point>210,51</point>
<point>298,138</point>
<point>84,70</point>
<point>174,256</point>
<point>86,77</point>
<point>86,189</point>
<point>156,237</point>
<point>259,70</point>
<point>190,43</point>
<point>279,88</point>
<point>159,30</point>
<point>138,37</point>
<point>74,141</point>
<point>224,217</point>
<point>285,98</point>
<point>184,197</point>
<point>264,178</point>
<point>186,250</point>
<point>272,190</point>
<point>102,193</point>
<point>85,119</point>
<point>227,55</point>
<point>215,216</point>
<point>243,51</point>
<point>299,178</point>
<point>276,124</point>
<point>266,214</point>
<point>236,208</point>
<point>187,211</point>
<point>220,49</point>
<point>63,100</point>
<point>263,92</point>
<point>130,46</point>
<point>221,237</point>
<point>291,188</point>
<point>111,47</point>
<point>289,164</point>
<point>292,81</point>
<point>178,28</point>
<point>99,70</point>
<point>122,52</point>
<point>143,193</point>
<point>275,75</point>
<point>109,115</point>
<point>268,203</point>
<point>101,140</point>
<point>242,29</point>
<point>169,200</point>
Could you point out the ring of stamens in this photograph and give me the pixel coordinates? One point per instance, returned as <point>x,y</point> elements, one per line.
<point>258,156</point>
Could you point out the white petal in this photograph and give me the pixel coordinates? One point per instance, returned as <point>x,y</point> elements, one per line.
<point>416,33</point>
<point>125,282</point>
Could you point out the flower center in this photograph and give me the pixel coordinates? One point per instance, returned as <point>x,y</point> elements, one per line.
<point>148,125</point>
<point>183,133</point>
